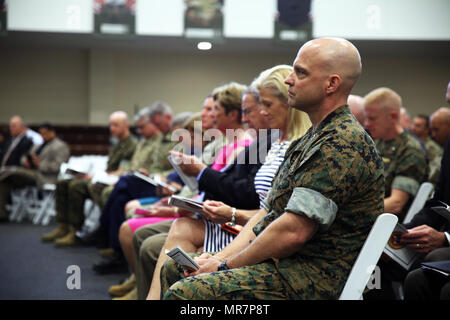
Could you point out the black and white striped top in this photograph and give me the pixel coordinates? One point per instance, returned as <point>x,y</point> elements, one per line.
<point>215,238</point>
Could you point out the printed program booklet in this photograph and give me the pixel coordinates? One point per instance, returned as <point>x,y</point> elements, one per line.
<point>183,259</point>
<point>187,204</point>
<point>404,256</point>
<point>191,182</point>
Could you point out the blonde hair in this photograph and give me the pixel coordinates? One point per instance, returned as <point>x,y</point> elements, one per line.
<point>385,97</point>
<point>298,122</point>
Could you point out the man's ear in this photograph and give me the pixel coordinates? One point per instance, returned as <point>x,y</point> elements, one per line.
<point>334,82</point>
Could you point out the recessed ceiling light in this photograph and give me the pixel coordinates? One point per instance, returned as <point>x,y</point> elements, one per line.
<point>204,45</point>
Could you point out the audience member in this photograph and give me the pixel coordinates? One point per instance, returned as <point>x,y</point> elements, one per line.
<point>292,249</point>
<point>420,128</point>
<point>40,166</point>
<point>207,234</point>
<point>427,233</point>
<point>234,186</point>
<point>440,125</point>
<point>71,194</point>
<point>356,105</point>
<point>17,145</point>
<point>405,118</point>
<point>405,164</point>
<point>150,157</point>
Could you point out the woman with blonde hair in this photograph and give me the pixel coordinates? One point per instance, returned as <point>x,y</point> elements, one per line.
<point>224,222</point>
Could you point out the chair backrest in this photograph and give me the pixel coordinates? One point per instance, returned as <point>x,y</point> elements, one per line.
<point>419,201</point>
<point>368,257</point>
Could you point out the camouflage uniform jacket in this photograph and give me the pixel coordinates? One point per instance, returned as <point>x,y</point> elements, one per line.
<point>434,152</point>
<point>159,158</point>
<point>405,166</point>
<point>334,176</point>
<point>120,152</point>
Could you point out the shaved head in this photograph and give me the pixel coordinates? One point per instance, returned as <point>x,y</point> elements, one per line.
<point>325,71</point>
<point>440,125</point>
<point>119,125</point>
<point>337,56</point>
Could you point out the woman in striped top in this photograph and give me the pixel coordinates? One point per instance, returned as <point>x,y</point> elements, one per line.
<point>272,95</point>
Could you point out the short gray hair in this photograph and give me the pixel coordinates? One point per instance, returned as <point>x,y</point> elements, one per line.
<point>160,107</point>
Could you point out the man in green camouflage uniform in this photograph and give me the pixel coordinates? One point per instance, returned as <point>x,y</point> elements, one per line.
<point>151,157</point>
<point>70,194</point>
<point>420,127</point>
<point>324,199</point>
<point>405,164</point>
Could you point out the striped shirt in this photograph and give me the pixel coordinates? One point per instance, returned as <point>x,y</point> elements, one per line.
<point>215,238</point>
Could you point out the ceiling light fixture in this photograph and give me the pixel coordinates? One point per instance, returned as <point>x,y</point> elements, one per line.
<point>204,45</point>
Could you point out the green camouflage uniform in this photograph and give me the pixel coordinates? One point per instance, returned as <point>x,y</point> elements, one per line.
<point>151,154</point>
<point>434,152</point>
<point>334,176</point>
<point>70,194</point>
<point>405,166</point>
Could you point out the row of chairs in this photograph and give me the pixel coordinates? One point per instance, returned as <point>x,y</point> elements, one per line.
<point>38,204</point>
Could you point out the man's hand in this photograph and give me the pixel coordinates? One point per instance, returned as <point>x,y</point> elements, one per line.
<point>190,165</point>
<point>423,239</point>
<point>207,262</point>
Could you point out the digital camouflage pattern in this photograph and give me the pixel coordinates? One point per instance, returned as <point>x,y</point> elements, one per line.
<point>121,151</point>
<point>405,166</point>
<point>339,161</point>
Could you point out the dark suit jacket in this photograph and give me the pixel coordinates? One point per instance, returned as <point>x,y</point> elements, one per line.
<point>235,186</point>
<point>21,149</point>
<point>442,193</point>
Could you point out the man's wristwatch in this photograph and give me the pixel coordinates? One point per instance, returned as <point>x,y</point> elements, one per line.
<point>223,266</point>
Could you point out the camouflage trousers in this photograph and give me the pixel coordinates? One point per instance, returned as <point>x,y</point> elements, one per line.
<point>70,195</point>
<point>258,282</point>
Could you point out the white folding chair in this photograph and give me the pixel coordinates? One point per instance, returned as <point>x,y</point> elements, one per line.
<point>21,201</point>
<point>368,257</point>
<point>419,201</point>
<point>45,207</point>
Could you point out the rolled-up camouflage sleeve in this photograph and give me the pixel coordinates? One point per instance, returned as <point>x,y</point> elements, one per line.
<point>313,205</point>
<point>406,184</point>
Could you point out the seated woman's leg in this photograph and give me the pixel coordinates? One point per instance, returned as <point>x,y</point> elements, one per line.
<point>188,234</point>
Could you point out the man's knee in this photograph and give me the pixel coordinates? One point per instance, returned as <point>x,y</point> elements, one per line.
<point>438,255</point>
<point>151,248</point>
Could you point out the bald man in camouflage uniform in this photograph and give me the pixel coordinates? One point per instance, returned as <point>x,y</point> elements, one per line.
<point>71,193</point>
<point>324,199</point>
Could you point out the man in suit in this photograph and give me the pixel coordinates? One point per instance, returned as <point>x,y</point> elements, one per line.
<point>430,235</point>
<point>38,167</point>
<point>18,145</point>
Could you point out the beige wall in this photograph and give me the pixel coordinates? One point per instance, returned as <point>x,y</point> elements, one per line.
<point>76,86</point>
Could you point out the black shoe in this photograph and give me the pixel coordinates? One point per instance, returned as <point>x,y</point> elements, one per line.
<point>114,264</point>
<point>96,238</point>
